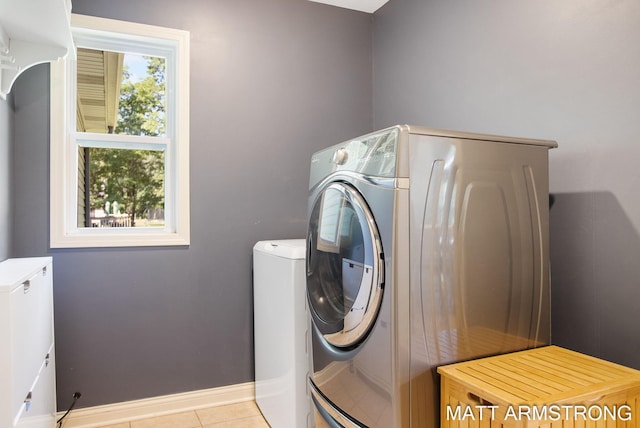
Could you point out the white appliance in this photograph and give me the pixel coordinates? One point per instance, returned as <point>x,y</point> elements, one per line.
<point>280,332</point>
<point>426,247</point>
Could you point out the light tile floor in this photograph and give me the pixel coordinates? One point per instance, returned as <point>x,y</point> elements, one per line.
<point>240,415</point>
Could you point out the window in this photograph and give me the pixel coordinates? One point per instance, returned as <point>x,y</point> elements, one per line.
<point>120,137</point>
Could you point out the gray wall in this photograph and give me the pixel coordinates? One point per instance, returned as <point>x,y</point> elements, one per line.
<point>6,142</point>
<point>272,81</point>
<point>568,71</point>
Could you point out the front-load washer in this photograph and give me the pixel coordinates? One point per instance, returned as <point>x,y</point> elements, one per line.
<point>424,247</point>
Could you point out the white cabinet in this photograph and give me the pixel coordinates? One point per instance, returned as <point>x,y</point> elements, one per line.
<point>27,363</point>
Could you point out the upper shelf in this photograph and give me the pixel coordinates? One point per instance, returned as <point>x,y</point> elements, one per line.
<point>32,32</point>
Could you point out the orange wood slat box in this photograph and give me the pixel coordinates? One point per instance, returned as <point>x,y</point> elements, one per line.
<point>548,387</point>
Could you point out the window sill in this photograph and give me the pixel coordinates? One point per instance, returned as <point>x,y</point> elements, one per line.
<point>107,237</point>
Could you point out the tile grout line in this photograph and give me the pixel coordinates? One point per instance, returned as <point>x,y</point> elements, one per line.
<point>199,420</point>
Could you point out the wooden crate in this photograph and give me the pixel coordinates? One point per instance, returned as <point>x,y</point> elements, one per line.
<point>548,387</point>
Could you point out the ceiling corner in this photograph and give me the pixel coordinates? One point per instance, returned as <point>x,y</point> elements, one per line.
<point>368,6</point>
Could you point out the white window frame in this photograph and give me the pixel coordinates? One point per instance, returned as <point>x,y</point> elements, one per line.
<point>124,37</point>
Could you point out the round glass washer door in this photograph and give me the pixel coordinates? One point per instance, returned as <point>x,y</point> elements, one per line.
<point>345,266</point>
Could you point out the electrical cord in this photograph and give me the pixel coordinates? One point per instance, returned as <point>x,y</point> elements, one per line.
<point>76,396</point>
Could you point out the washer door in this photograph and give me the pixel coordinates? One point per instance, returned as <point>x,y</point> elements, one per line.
<point>345,267</point>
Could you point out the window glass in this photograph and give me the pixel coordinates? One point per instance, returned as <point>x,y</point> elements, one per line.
<point>126,188</point>
<point>120,93</point>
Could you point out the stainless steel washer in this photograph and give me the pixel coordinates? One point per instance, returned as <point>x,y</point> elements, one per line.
<point>425,247</point>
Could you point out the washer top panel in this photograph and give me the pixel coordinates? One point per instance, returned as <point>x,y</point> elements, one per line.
<point>383,154</point>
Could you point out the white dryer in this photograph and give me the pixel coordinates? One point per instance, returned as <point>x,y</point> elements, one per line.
<point>425,247</point>
<point>280,333</point>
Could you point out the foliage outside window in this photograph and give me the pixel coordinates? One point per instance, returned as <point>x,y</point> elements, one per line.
<point>126,186</point>
<point>120,169</point>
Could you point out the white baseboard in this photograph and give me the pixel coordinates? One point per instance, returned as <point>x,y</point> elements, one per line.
<point>109,414</point>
